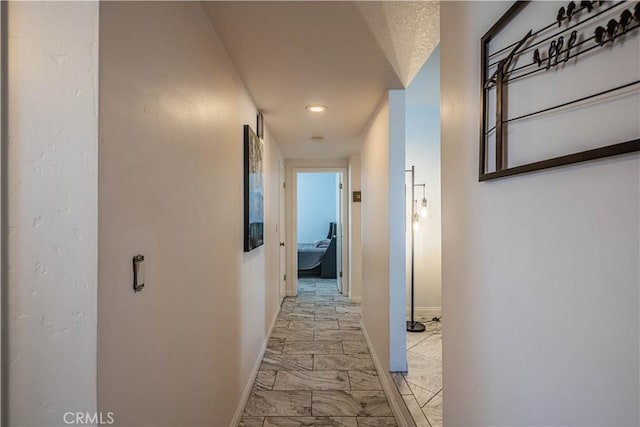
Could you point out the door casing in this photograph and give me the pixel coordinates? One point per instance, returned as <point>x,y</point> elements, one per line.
<point>282,232</point>
<point>293,230</point>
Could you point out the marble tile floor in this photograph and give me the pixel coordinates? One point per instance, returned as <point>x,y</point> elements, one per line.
<point>317,369</point>
<point>421,386</point>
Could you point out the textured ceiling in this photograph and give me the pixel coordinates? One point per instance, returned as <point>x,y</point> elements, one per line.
<point>341,54</point>
<point>407,32</point>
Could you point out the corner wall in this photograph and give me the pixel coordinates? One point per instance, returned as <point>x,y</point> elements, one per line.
<point>423,152</point>
<point>540,271</point>
<point>52,211</point>
<point>383,231</point>
<point>172,107</point>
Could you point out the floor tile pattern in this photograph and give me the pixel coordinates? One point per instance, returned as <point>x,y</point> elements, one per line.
<point>421,386</point>
<point>317,369</point>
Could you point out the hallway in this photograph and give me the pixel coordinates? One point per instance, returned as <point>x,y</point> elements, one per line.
<point>150,159</point>
<point>317,369</point>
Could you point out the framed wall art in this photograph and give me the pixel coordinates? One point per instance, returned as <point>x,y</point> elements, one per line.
<point>560,84</point>
<point>253,190</point>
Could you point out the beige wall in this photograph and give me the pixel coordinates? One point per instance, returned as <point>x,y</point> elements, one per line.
<point>375,232</point>
<point>383,232</point>
<point>172,108</point>
<point>540,271</point>
<point>52,211</point>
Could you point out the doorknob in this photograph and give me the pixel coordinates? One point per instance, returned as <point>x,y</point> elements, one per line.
<point>281,243</point>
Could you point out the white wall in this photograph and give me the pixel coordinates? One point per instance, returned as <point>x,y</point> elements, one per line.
<point>540,271</point>
<point>172,108</point>
<point>317,205</point>
<point>397,236</point>
<point>355,231</point>
<point>375,231</point>
<point>52,212</point>
<point>423,152</point>
<point>383,237</point>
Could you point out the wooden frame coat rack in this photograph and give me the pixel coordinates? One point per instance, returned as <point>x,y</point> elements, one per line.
<point>567,41</point>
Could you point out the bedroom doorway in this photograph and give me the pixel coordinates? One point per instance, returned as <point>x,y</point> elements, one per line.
<point>319,224</point>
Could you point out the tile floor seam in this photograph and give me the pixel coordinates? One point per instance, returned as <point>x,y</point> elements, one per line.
<point>425,415</point>
<point>417,385</point>
<point>431,398</point>
<point>363,407</point>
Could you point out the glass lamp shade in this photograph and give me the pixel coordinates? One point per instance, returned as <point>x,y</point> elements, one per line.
<point>416,222</point>
<point>425,209</point>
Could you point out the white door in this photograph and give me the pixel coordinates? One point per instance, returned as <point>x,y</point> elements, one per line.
<point>339,232</point>
<point>282,233</point>
<point>3,294</point>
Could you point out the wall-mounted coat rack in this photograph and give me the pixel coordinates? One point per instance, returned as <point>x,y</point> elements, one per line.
<point>577,41</point>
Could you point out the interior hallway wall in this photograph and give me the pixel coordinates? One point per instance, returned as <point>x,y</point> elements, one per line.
<point>317,205</point>
<point>540,271</point>
<point>423,152</point>
<point>52,211</point>
<point>383,232</point>
<point>172,111</point>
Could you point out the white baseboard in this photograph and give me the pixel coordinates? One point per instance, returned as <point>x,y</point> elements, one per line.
<point>426,311</point>
<point>387,385</point>
<point>254,373</point>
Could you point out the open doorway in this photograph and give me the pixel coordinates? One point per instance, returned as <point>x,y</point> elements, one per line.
<point>319,210</point>
<point>318,215</point>
<point>421,386</point>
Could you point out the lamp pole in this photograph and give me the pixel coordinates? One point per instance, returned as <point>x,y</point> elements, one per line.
<point>412,325</point>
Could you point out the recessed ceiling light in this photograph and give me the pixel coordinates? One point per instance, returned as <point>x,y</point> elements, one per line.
<point>316,108</point>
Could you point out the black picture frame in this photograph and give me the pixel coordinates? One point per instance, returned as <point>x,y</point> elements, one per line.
<point>253,190</point>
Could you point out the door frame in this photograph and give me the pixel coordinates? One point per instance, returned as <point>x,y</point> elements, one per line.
<point>282,230</point>
<point>4,271</point>
<point>293,231</point>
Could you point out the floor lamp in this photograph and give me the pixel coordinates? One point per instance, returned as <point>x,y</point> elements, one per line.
<point>412,325</point>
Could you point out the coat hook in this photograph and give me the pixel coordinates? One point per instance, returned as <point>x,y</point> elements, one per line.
<point>552,51</point>
<point>625,19</point>
<point>612,29</point>
<point>572,41</point>
<point>599,35</point>
<point>571,8</point>
<point>586,4</point>
<point>536,57</point>
<point>560,16</point>
<point>559,45</point>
